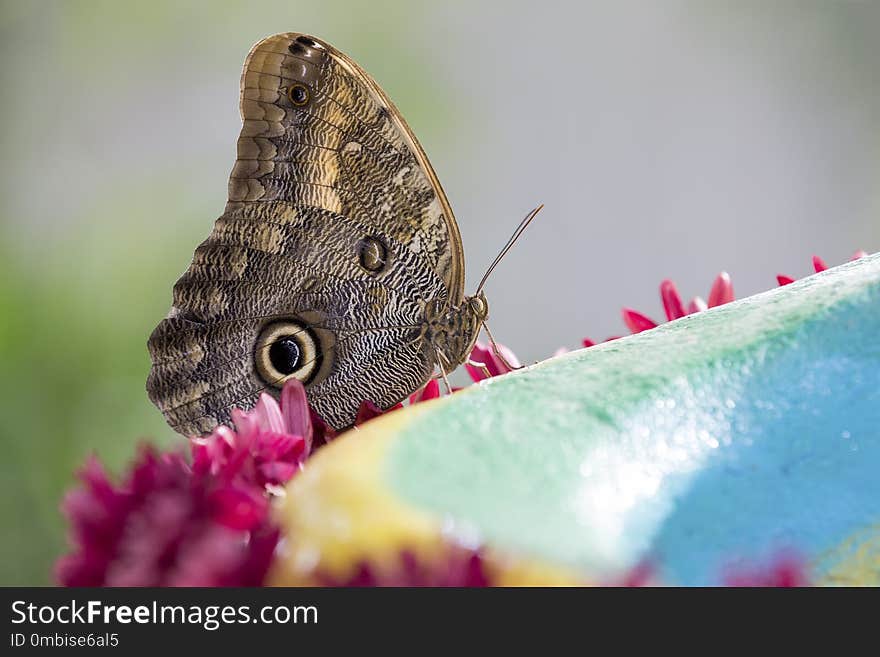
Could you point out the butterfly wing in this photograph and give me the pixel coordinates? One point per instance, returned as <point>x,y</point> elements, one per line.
<point>335,235</point>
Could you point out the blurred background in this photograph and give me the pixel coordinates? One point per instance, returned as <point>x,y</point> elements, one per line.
<point>667,139</point>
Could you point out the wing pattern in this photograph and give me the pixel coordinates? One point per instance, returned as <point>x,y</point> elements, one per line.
<point>324,161</point>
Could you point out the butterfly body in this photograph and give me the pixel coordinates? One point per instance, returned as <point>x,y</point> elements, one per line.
<point>336,261</point>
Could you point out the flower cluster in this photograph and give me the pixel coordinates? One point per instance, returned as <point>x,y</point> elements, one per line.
<point>720,293</point>
<point>204,520</point>
<point>265,450</point>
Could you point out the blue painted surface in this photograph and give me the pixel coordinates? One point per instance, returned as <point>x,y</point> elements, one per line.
<point>801,469</point>
<point>728,434</point>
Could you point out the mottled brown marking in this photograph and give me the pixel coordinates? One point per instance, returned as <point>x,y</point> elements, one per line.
<point>311,181</point>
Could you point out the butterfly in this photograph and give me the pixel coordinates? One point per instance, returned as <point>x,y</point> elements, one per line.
<point>337,260</point>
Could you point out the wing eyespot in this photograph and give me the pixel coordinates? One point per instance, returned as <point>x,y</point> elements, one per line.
<point>297,49</point>
<point>286,350</point>
<point>306,41</point>
<point>298,94</point>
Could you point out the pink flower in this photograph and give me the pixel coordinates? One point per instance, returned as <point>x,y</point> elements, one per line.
<point>268,446</point>
<point>818,265</point>
<point>368,410</point>
<point>165,525</point>
<point>207,524</point>
<point>322,433</point>
<point>431,390</point>
<point>720,293</point>
<point>494,363</point>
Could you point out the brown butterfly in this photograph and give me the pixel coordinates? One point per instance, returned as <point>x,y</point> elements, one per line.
<point>337,260</point>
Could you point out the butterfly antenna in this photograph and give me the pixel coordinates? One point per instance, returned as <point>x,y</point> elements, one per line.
<point>513,238</point>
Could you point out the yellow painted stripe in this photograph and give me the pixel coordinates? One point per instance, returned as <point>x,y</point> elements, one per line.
<point>339,513</point>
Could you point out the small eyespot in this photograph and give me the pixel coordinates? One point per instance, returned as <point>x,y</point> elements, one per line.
<point>306,47</point>
<point>306,41</point>
<point>372,254</point>
<point>287,350</point>
<point>298,94</point>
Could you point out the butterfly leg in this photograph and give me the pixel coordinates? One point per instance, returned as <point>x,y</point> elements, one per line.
<point>480,366</point>
<point>497,351</point>
<point>440,360</point>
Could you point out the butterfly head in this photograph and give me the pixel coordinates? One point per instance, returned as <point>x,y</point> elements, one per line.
<point>474,312</point>
<point>478,307</point>
<point>452,331</point>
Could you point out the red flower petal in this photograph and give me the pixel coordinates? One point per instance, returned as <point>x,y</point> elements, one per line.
<point>246,424</point>
<point>722,290</point>
<point>784,280</point>
<point>369,410</point>
<point>253,568</point>
<point>295,411</point>
<point>165,524</point>
<point>636,321</point>
<point>696,305</point>
<point>277,472</point>
<point>268,414</point>
<point>671,300</point>
<point>238,508</point>
<point>588,343</point>
<point>322,433</point>
<point>818,264</point>
<point>431,390</point>
<point>279,447</point>
<point>486,355</point>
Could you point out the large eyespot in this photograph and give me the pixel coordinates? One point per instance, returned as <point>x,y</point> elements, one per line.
<point>287,350</point>
<point>298,94</point>
<point>372,254</point>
